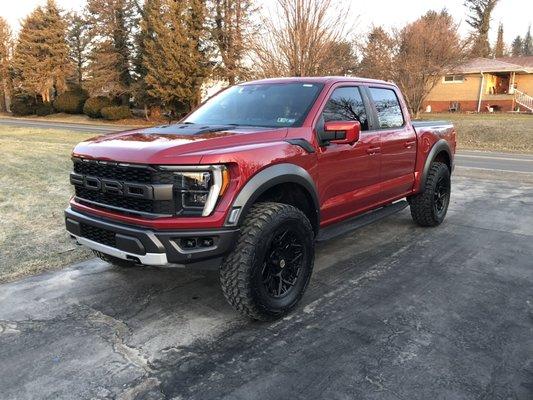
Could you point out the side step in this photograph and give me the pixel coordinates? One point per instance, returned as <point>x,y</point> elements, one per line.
<point>354,223</point>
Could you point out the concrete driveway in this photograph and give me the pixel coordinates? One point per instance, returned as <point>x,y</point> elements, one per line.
<point>393,312</point>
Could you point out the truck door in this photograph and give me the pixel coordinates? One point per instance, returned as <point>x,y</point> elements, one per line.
<point>398,143</point>
<point>348,173</point>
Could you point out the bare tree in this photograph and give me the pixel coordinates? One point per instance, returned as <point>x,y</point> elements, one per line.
<point>303,38</point>
<point>426,49</point>
<point>479,20</point>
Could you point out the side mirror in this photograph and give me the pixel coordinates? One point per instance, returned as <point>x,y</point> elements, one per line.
<point>342,132</point>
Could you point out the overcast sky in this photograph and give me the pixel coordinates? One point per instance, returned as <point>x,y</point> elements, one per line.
<point>516,15</point>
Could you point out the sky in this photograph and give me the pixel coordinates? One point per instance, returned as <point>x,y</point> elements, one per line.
<point>516,15</point>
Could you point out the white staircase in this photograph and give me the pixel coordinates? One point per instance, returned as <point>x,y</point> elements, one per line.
<point>523,99</point>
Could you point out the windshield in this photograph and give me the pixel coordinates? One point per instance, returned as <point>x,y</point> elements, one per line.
<point>263,104</point>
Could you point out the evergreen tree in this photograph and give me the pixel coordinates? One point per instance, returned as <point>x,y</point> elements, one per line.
<point>41,61</point>
<point>78,40</point>
<point>528,44</point>
<point>479,20</point>
<point>377,55</point>
<point>5,64</point>
<point>230,29</point>
<point>499,48</point>
<point>111,25</point>
<point>174,54</point>
<point>517,47</point>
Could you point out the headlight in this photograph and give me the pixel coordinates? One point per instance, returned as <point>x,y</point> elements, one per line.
<point>197,188</point>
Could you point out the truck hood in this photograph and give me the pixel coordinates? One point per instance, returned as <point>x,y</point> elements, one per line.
<point>173,144</point>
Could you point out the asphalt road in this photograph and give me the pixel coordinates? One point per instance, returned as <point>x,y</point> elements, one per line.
<point>394,311</point>
<point>508,162</point>
<point>89,128</point>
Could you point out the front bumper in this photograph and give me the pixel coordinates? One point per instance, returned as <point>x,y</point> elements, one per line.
<point>149,247</point>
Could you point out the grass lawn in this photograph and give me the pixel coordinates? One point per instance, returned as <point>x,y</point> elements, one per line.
<point>34,191</point>
<point>496,132</point>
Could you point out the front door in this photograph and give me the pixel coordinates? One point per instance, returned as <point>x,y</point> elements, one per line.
<point>348,174</point>
<point>398,144</point>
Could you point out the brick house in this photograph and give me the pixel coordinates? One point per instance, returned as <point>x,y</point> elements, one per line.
<point>503,84</point>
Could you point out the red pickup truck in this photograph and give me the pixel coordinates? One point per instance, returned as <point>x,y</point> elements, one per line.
<point>251,179</point>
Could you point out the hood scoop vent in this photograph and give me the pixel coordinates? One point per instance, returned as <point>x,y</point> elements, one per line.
<point>188,129</point>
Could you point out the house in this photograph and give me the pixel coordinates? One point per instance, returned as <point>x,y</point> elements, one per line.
<point>485,84</point>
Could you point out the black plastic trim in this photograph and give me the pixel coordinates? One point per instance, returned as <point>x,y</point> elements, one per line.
<point>142,241</point>
<point>304,144</point>
<point>440,145</point>
<point>270,177</point>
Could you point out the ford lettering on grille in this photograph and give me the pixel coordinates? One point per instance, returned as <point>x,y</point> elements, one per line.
<point>128,189</point>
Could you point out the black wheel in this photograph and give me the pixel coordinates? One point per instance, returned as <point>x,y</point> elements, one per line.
<point>429,207</point>
<point>119,262</point>
<point>266,275</point>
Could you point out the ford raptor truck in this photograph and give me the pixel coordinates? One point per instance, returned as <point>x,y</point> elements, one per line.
<point>250,180</point>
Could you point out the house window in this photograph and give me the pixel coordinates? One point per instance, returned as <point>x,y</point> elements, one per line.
<point>454,79</point>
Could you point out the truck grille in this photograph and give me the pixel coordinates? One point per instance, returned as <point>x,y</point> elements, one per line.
<point>127,173</point>
<point>136,174</point>
<point>99,235</point>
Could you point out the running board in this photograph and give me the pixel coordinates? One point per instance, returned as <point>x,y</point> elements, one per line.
<point>370,217</point>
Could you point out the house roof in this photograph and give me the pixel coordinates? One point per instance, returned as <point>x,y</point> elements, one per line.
<point>505,64</point>
<point>524,61</point>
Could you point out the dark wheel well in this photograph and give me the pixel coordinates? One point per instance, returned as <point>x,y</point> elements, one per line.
<point>444,158</point>
<point>294,195</point>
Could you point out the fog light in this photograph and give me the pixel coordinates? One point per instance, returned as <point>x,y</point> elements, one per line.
<point>206,242</point>
<point>188,243</point>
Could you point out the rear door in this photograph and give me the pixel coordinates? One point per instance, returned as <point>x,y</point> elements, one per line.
<point>398,143</point>
<point>348,174</point>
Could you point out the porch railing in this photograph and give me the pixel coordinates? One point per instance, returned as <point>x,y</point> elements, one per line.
<point>523,99</point>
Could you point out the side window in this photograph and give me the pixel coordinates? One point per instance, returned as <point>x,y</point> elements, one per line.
<point>388,107</point>
<point>346,104</point>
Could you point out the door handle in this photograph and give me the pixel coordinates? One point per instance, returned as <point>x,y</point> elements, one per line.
<point>373,150</point>
<point>409,144</point>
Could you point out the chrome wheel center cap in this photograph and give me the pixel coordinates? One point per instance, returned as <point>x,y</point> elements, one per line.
<point>282,264</point>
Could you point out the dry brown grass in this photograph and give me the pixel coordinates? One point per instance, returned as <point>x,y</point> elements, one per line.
<point>492,132</point>
<point>34,191</point>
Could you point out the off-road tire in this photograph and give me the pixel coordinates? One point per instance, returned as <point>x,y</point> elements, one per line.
<point>240,272</point>
<point>119,262</point>
<point>423,209</point>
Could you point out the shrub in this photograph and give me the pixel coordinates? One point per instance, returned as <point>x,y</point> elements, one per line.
<point>23,105</point>
<point>71,102</point>
<point>44,109</point>
<point>116,112</point>
<point>93,106</point>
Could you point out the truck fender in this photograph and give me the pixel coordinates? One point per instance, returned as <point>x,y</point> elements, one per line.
<point>440,145</point>
<point>268,178</point>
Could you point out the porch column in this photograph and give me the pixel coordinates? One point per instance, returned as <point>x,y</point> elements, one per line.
<point>480,92</point>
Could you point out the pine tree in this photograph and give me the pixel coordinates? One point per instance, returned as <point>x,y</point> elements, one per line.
<point>174,54</point>
<point>78,40</point>
<point>377,55</point>
<point>499,48</point>
<point>230,29</point>
<point>41,61</point>
<point>517,47</point>
<point>5,65</point>
<point>528,44</point>
<point>111,25</point>
<point>479,20</point>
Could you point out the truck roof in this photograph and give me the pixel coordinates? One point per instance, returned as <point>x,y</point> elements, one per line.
<point>319,79</point>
